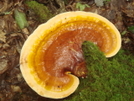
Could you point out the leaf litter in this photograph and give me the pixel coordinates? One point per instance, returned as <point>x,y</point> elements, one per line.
<point>12,85</point>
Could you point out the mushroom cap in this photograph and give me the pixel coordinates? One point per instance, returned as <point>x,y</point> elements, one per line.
<point>34,71</point>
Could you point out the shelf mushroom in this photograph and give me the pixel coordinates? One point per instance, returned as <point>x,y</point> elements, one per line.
<point>51,59</point>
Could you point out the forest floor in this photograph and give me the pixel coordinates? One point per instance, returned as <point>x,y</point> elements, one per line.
<point>18,20</point>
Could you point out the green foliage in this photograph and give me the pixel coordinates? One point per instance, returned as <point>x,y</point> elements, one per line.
<point>124,32</point>
<point>40,10</point>
<point>81,6</point>
<point>131,29</point>
<point>107,0</point>
<point>108,79</point>
<point>20,18</point>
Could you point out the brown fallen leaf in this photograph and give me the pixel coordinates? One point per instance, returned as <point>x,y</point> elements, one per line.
<point>2,36</point>
<point>3,65</point>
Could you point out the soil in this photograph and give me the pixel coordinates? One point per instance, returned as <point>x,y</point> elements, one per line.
<point>12,37</point>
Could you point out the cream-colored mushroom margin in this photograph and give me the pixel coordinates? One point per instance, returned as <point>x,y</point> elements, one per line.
<point>44,30</point>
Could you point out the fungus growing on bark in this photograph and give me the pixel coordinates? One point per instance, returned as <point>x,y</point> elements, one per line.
<point>51,59</point>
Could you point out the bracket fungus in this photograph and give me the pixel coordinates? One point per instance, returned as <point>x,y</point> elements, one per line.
<point>51,59</point>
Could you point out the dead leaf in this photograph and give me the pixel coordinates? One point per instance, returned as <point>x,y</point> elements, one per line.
<point>129,10</point>
<point>3,65</point>
<point>2,36</point>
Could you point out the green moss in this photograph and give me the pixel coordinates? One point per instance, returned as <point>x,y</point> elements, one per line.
<point>108,79</point>
<point>42,12</point>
